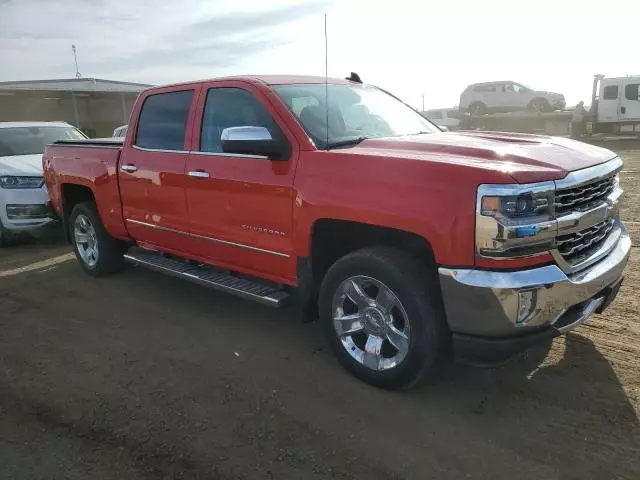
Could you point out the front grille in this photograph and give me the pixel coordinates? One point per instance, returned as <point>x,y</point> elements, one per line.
<point>25,212</point>
<point>583,197</point>
<point>579,246</point>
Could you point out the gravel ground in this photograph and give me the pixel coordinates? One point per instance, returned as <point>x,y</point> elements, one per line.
<point>141,376</point>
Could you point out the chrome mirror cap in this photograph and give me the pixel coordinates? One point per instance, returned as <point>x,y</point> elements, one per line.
<point>248,133</point>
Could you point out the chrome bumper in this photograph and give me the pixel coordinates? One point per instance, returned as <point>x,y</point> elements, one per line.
<point>507,304</point>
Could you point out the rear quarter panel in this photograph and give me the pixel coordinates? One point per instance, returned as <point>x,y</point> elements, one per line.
<point>94,167</point>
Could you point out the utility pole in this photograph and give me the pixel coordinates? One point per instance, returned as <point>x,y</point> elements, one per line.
<point>75,58</point>
<point>423,102</point>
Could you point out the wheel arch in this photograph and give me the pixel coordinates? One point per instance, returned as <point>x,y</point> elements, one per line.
<point>72,194</point>
<point>542,100</point>
<point>331,239</point>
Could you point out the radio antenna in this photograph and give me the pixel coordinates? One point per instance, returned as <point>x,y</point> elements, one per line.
<point>326,79</point>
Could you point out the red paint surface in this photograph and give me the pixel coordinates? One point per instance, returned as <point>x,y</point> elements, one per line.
<point>420,184</point>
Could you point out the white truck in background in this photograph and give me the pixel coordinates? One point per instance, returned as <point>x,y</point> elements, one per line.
<point>615,104</point>
<point>615,109</point>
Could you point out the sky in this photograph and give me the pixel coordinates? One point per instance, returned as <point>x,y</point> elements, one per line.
<point>408,47</point>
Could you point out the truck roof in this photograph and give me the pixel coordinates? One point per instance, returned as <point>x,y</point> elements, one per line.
<point>33,124</point>
<point>265,80</point>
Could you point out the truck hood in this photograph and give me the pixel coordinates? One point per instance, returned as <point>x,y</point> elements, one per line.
<point>526,158</point>
<point>21,165</point>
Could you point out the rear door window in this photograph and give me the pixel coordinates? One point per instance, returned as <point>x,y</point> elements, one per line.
<point>163,121</point>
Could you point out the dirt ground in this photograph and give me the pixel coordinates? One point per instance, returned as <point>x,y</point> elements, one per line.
<point>142,376</point>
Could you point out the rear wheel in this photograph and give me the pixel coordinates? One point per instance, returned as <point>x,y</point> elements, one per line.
<point>98,252</point>
<point>477,108</point>
<point>382,316</point>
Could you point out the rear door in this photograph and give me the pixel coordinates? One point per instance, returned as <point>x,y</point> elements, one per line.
<point>631,100</point>
<point>151,170</point>
<point>240,206</point>
<point>508,98</point>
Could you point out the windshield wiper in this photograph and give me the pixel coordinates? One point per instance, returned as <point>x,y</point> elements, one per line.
<point>346,143</point>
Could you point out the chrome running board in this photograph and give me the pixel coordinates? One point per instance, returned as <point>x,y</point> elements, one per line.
<point>209,277</point>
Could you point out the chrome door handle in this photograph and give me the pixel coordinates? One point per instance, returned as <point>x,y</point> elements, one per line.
<point>199,174</point>
<point>128,168</point>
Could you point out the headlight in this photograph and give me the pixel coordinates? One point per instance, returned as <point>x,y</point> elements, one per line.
<point>14,182</point>
<point>517,206</point>
<point>515,220</point>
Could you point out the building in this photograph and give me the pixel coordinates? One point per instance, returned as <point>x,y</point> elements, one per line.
<point>94,105</point>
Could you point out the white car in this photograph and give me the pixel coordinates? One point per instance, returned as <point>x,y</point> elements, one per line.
<point>23,196</point>
<point>444,117</point>
<point>120,132</point>
<point>508,96</point>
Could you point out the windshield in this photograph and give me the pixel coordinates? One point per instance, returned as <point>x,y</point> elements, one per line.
<point>356,112</point>
<point>32,140</point>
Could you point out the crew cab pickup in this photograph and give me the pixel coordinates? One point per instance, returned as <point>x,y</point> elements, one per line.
<point>402,239</point>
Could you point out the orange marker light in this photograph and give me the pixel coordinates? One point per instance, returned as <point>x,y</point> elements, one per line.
<point>490,204</point>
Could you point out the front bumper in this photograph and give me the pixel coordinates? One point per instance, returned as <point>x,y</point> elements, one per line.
<point>24,210</point>
<point>510,310</point>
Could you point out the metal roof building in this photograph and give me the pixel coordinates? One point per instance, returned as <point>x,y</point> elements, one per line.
<point>94,105</point>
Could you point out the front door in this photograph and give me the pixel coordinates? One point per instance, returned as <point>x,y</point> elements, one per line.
<point>240,206</point>
<point>151,172</point>
<point>510,97</point>
<point>609,102</point>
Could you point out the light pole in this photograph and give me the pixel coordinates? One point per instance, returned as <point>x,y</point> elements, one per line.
<point>75,58</point>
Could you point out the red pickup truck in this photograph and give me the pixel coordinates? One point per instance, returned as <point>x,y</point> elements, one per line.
<point>407,242</point>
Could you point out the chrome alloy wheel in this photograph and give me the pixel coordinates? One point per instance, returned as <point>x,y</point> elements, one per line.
<point>371,323</point>
<point>86,240</point>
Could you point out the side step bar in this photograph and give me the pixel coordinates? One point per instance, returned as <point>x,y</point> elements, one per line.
<point>209,277</point>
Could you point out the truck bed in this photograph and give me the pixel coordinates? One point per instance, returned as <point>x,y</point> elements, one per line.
<point>99,142</point>
<point>91,165</point>
<point>551,123</point>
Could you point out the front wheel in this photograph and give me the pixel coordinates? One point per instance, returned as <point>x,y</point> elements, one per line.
<point>383,317</point>
<point>539,105</point>
<point>98,252</point>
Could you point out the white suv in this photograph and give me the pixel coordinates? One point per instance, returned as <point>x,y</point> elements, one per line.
<point>508,96</point>
<point>23,195</point>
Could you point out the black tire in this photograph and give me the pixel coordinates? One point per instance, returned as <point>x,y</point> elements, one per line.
<point>110,250</point>
<point>417,288</point>
<point>477,108</point>
<point>539,105</point>
<point>5,237</point>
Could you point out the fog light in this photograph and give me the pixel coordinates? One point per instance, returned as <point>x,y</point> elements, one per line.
<point>527,300</point>
<point>24,212</point>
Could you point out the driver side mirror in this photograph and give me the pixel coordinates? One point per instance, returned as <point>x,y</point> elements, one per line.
<point>252,141</point>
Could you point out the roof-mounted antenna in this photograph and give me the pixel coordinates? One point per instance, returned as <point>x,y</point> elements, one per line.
<point>326,79</point>
<point>354,77</point>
